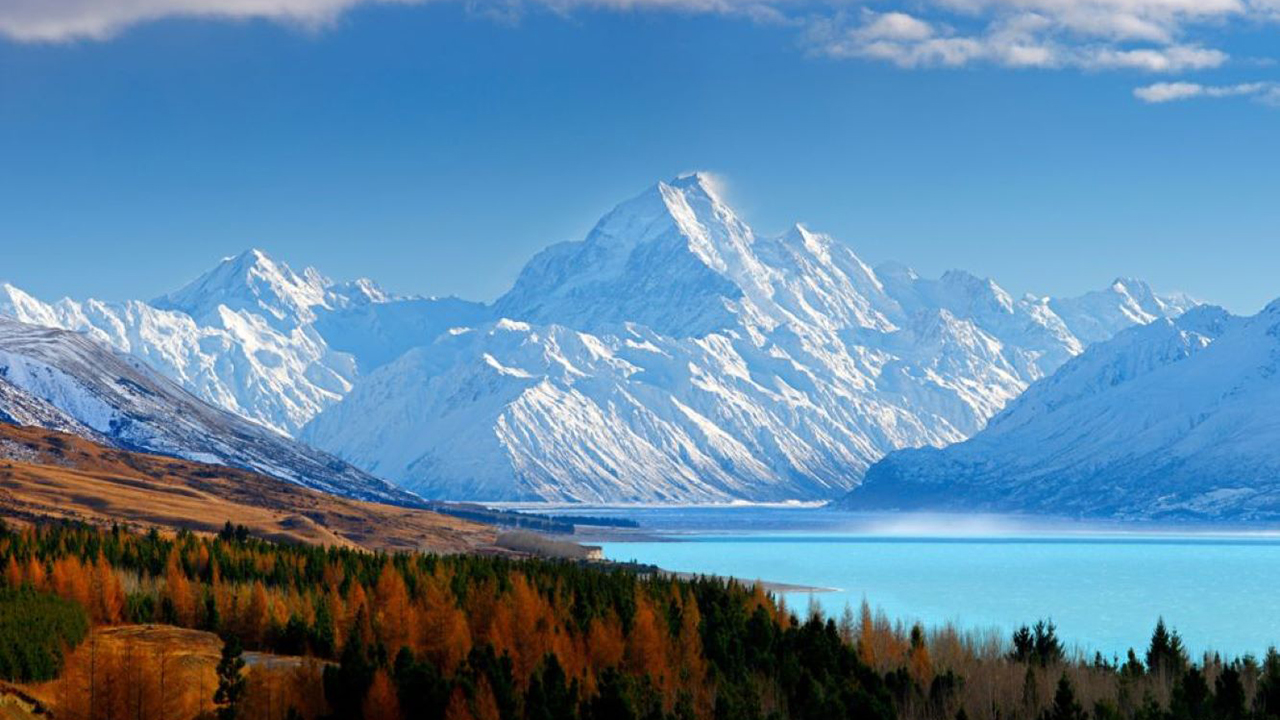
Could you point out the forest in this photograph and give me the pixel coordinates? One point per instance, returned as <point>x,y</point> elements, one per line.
<point>321,632</point>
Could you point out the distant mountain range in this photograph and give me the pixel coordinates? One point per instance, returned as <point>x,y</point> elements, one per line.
<point>671,356</point>
<point>1176,419</point>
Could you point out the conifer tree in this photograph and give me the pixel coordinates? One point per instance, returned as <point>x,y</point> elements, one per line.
<point>1065,706</point>
<point>1228,694</point>
<point>231,681</point>
<point>1165,654</point>
<point>1267,700</point>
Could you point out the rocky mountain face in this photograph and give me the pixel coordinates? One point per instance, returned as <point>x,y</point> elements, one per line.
<point>1174,419</point>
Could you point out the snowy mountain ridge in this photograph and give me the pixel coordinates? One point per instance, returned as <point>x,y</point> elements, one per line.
<point>244,335</point>
<point>674,355</point>
<point>1173,420</point>
<point>68,381</point>
<point>671,355</point>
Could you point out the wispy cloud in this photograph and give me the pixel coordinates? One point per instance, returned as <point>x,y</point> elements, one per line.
<point>62,20</point>
<point>1153,36</point>
<point>1020,40</point>
<point>1164,92</point>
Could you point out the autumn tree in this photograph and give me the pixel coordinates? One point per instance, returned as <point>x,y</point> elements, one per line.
<point>179,600</point>
<point>395,616</point>
<point>381,702</point>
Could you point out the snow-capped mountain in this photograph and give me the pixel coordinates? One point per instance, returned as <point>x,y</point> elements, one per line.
<point>671,355</point>
<point>247,336</point>
<point>675,355</point>
<point>68,381</point>
<point>1175,419</point>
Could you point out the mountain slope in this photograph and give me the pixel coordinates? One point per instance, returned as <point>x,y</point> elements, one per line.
<point>48,474</point>
<point>68,381</point>
<point>19,407</point>
<point>674,355</point>
<point>1173,419</point>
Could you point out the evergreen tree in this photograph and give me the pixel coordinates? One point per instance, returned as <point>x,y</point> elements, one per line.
<point>1030,692</point>
<point>1064,705</point>
<point>1038,644</point>
<point>1190,696</point>
<point>1228,694</point>
<point>1165,654</point>
<point>209,619</point>
<point>1267,700</point>
<point>1024,645</point>
<point>35,628</point>
<point>346,685</point>
<point>231,681</point>
<point>423,690</point>
<point>1132,668</point>
<point>550,697</point>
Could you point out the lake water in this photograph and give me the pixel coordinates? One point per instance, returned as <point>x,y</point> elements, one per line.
<point>1104,586</point>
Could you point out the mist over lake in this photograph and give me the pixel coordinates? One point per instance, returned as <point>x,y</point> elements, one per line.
<point>1104,585</point>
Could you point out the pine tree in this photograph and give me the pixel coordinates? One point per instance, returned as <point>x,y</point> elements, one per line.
<point>1064,705</point>
<point>231,680</point>
<point>1190,696</point>
<point>1228,695</point>
<point>1267,700</point>
<point>1165,654</point>
<point>1030,692</point>
<point>1038,644</point>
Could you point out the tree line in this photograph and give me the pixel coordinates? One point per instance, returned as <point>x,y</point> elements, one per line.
<point>481,637</point>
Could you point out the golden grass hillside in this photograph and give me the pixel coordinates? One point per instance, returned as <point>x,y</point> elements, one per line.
<point>161,671</point>
<point>50,474</point>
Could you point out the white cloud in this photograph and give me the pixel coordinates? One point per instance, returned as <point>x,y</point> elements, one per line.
<point>895,26</point>
<point>1154,36</point>
<point>1022,40</point>
<point>1172,58</point>
<point>1163,92</point>
<point>60,20</point>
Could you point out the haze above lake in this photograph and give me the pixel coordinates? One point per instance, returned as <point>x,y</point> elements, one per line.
<point>1103,584</point>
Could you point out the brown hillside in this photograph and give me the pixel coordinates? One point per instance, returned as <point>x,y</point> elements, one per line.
<point>161,671</point>
<point>52,474</point>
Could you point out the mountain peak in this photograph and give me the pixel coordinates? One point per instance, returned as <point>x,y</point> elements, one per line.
<point>676,239</point>
<point>251,281</point>
<point>699,182</point>
<point>248,258</point>
<point>1133,287</point>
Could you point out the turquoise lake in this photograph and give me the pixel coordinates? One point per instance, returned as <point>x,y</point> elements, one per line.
<point>1103,586</point>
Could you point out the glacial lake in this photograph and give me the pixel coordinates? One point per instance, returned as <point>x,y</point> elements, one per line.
<point>1103,585</point>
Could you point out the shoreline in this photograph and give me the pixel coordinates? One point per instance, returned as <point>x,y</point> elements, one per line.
<point>767,585</point>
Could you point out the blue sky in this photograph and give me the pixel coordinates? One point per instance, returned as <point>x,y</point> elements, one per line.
<point>436,146</point>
